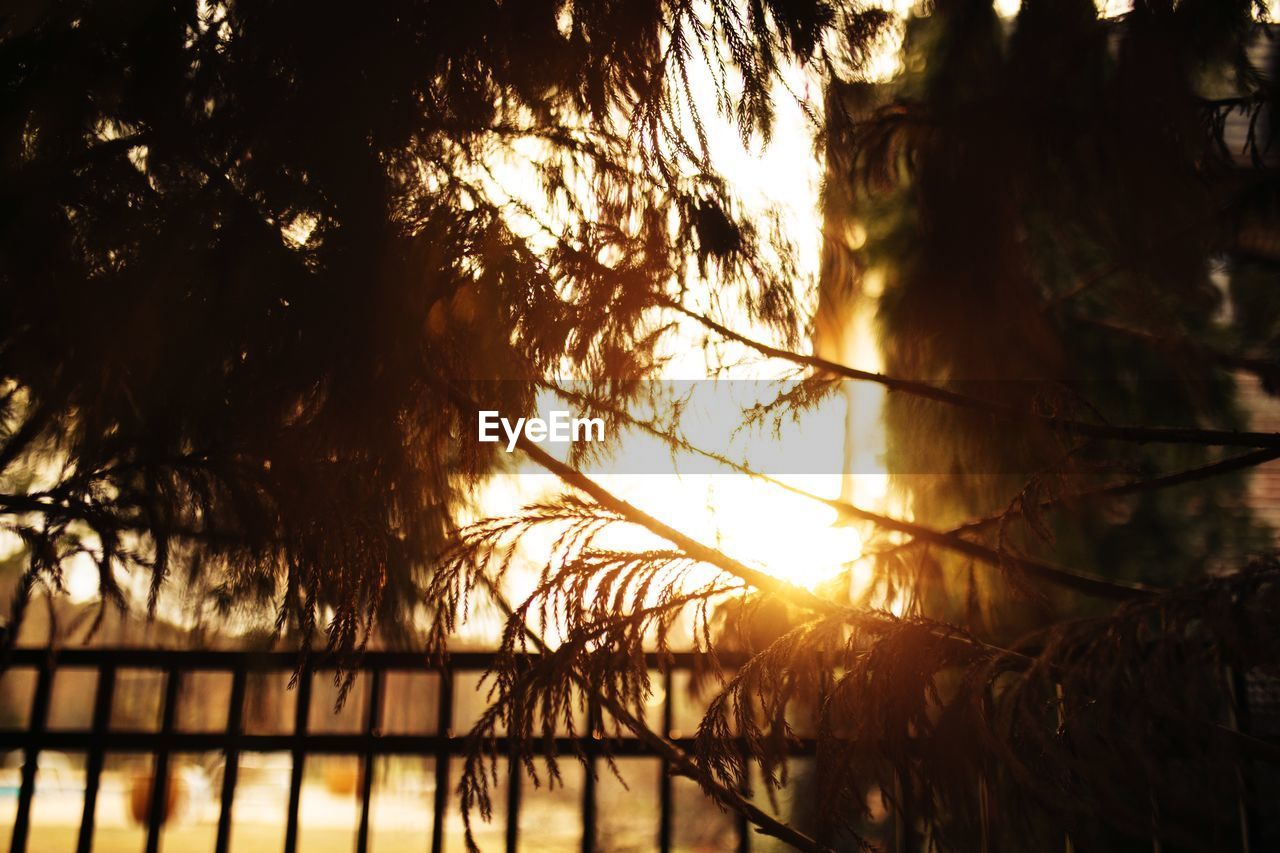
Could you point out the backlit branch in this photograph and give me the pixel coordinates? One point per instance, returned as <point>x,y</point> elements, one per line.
<point>1242,462</point>
<point>951,540</point>
<point>763,581</point>
<point>681,762</point>
<point>925,390</point>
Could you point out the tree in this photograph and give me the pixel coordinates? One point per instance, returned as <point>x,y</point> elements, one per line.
<point>261,270</point>
<point>246,247</point>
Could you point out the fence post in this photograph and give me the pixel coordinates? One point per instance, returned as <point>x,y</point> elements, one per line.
<point>158,807</point>
<point>514,776</point>
<point>372,725</point>
<point>591,749</point>
<point>93,771</point>
<point>744,825</point>
<point>301,715</point>
<point>31,757</point>
<point>664,779</point>
<point>444,732</point>
<point>231,758</point>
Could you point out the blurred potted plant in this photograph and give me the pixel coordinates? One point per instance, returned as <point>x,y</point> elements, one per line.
<point>141,785</point>
<point>342,778</point>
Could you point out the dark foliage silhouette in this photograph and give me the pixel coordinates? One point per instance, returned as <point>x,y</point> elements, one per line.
<point>261,263</point>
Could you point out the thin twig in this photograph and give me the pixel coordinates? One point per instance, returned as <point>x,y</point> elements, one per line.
<point>1225,466</point>
<point>1071,579</point>
<point>875,623</point>
<point>1086,429</point>
<point>1264,369</point>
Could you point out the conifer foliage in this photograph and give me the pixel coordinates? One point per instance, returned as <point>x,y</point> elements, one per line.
<point>261,263</point>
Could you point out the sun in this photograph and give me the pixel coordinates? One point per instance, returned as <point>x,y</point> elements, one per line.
<point>790,537</point>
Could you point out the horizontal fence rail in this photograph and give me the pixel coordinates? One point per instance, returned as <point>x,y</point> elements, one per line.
<point>168,739</point>
<point>1253,697</point>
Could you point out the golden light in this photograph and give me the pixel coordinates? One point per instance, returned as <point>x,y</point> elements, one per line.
<point>784,534</point>
<point>788,535</point>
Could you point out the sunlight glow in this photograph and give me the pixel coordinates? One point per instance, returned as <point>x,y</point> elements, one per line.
<point>81,579</point>
<point>787,535</point>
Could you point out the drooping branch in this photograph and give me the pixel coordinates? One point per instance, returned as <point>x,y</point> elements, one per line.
<point>952,539</point>
<point>878,669</point>
<point>681,762</point>
<point>870,622</point>
<point>1242,462</point>
<point>755,577</point>
<point>1083,582</point>
<point>925,390</point>
<point>1265,369</point>
<point>20,439</point>
<point>875,668</point>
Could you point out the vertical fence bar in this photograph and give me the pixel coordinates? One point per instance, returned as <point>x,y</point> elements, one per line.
<point>513,796</point>
<point>158,807</point>
<point>103,695</point>
<point>513,793</point>
<point>31,757</point>
<point>231,759</point>
<point>372,725</point>
<point>302,713</point>
<point>589,777</point>
<point>444,731</point>
<point>664,778</point>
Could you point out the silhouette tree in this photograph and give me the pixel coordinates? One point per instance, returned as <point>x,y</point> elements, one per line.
<point>247,246</point>
<point>262,263</point>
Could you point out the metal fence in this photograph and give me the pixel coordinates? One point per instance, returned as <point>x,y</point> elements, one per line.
<point>101,737</point>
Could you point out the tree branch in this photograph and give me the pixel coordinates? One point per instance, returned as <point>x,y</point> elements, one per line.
<point>1085,429</point>
<point>1266,370</point>
<point>874,623</point>
<point>1079,581</point>
<point>679,759</point>
<point>1225,466</point>
<point>24,435</point>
